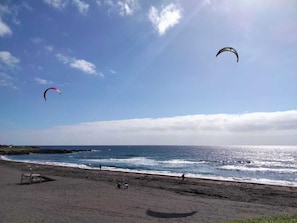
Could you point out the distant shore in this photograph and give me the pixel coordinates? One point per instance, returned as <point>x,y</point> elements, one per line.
<point>78,195</point>
<point>22,150</point>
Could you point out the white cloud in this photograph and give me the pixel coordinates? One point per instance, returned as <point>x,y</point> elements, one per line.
<point>128,7</point>
<point>37,40</point>
<point>7,63</point>
<point>57,4</point>
<point>7,59</point>
<point>84,66</point>
<point>165,18</point>
<point>4,29</point>
<point>112,71</point>
<point>63,58</point>
<point>108,2</point>
<point>42,81</point>
<point>7,81</point>
<point>11,11</point>
<point>83,7</point>
<point>49,48</point>
<point>80,64</point>
<point>260,128</point>
<point>122,7</point>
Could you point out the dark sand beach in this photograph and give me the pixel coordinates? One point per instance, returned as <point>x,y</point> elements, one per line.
<point>76,195</point>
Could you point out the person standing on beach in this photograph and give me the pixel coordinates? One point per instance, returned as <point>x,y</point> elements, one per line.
<point>183,177</point>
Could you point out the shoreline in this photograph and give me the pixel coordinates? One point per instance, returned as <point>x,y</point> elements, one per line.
<point>155,173</point>
<point>143,179</point>
<point>150,198</point>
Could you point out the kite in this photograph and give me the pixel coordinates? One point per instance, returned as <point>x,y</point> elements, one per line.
<point>230,49</point>
<point>51,88</point>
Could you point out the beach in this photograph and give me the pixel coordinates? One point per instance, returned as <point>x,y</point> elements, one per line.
<point>69,194</point>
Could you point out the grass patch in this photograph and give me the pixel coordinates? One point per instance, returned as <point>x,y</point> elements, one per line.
<point>17,149</point>
<point>275,219</point>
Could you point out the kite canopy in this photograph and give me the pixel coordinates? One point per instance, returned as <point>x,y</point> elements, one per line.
<point>230,49</point>
<point>51,88</point>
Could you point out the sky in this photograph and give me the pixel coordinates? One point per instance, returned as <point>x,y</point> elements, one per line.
<point>145,72</point>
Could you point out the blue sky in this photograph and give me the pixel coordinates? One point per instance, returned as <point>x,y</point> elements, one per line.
<point>146,72</point>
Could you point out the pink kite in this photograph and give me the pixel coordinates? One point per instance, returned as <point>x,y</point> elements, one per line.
<point>51,88</point>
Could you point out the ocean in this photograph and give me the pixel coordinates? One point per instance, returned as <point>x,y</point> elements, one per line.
<point>275,165</point>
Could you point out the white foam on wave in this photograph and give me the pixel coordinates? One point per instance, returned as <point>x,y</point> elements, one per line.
<point>276,163</point>
<point>50,163</point>
<point>5,158</point>
<point>258,169</point>
<point>134,161</point>
<point>142,161</point>
<point>179,162</point>
<point>208,177</point>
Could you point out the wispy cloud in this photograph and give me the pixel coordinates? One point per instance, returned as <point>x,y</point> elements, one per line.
<point>217,129</point>
<point>80,64</point>
<point>49,48</point>
<point>8,63</point>
<point>42,81</point>
<point>7,81</point>
<point>122,7</point>
<point>57,4</point>
<point>7,59</point>
<point>128,7</point>
<point>37,40</point>
<point>82,6</point>
<point>4,29</point>
<point>10,12</point>
<point>42,42</point>
<point>84,66</point>
<point>63,58</point>
<point>112,71</point>
<point>165,18</point>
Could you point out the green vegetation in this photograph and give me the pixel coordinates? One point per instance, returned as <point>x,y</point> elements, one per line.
<point>22,150</point>
<point>276,219</point>
<point>10,150</point>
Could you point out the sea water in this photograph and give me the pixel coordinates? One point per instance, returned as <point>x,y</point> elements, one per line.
<point>257,164</point>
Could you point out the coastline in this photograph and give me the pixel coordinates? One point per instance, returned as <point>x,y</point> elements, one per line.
<point>154,173</point>
<point>248,168</point>
<point>92,196</point>
<point>24,150</point>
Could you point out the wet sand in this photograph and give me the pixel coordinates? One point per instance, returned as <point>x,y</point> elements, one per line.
<point>76,195</point>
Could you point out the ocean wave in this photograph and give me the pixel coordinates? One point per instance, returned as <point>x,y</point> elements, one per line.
<point>179,162</point>
<point>276,163</point>
<point>143,161</point>
<point>208,177</point>
<point>133,160</point>
<point>5,158</point>
<point>50,163</point>
<point>258,169</point>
